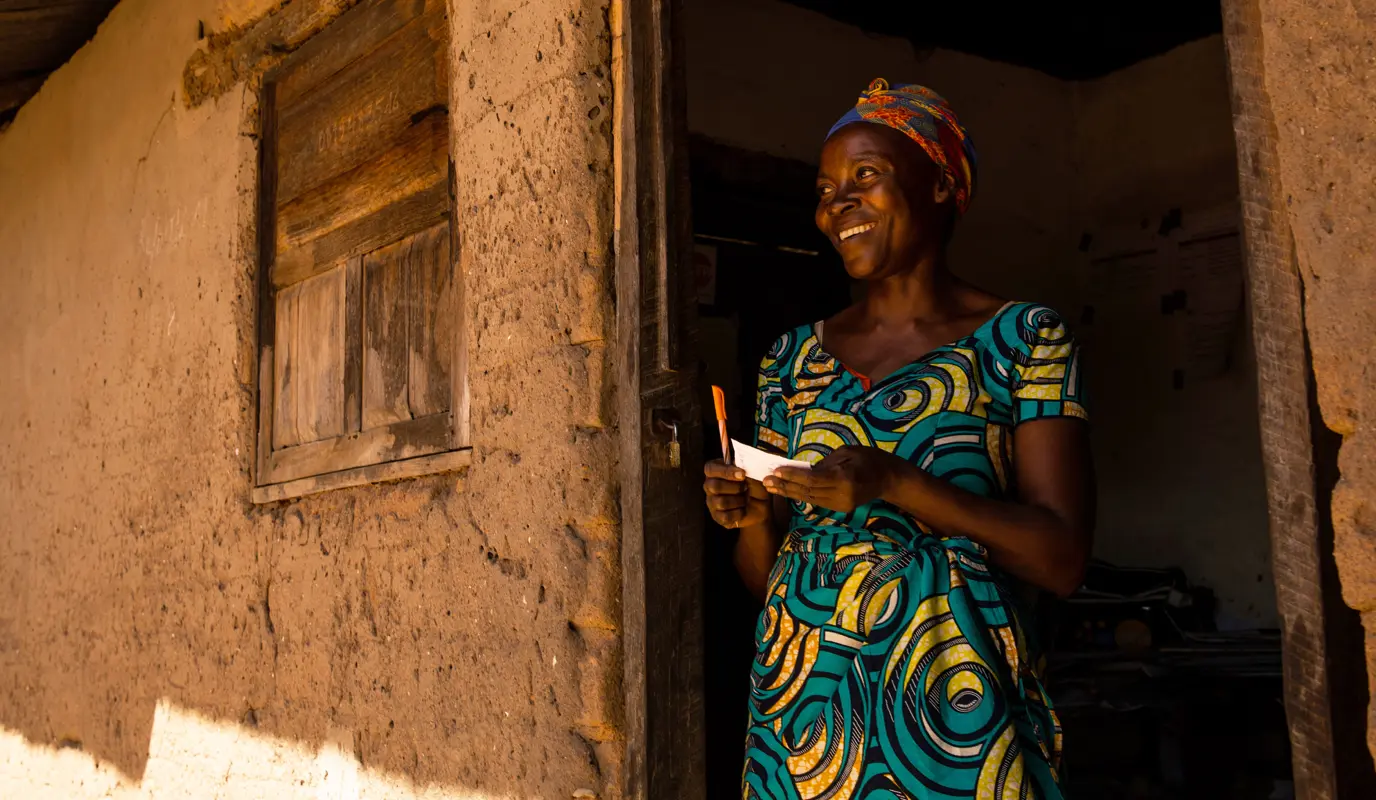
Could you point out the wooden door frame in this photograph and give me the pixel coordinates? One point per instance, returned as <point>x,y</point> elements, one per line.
<point>663,715</point>
<point>1284,382</point>
<point>656,370</point>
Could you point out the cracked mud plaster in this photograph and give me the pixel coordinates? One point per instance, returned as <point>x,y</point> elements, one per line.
<point>451,631</point>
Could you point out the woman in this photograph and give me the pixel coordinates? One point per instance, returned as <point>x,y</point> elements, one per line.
<point>945,429</point>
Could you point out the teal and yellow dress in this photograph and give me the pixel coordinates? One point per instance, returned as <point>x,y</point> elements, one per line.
<point>890,662</point>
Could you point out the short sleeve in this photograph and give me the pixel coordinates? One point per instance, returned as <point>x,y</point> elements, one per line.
<point>1046,375</point>
<point>771,411</point>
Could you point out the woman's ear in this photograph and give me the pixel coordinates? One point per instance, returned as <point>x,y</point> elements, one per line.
<point>944,189</point>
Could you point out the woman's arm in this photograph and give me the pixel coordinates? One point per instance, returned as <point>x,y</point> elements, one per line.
<point>744,505</point>
<point>757,549</point>
<point>1044,537</point>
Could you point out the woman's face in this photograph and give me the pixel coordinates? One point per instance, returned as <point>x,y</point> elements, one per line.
<point>879,200</point>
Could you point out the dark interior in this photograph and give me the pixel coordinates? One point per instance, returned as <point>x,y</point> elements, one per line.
<point>1156,700</point>
<point>1071,40</point>
<point>1203,718</point>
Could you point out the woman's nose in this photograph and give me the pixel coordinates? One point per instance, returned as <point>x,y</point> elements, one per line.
<point>840,203</point>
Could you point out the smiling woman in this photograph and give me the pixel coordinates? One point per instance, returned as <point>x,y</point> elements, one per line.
<point>944,426</point>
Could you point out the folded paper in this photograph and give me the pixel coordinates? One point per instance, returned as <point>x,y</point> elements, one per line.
<point>758,464</point>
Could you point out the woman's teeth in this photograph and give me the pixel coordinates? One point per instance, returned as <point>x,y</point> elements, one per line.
<point>857,230</point>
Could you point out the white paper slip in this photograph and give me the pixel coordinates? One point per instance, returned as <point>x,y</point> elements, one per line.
<point>758,464</point>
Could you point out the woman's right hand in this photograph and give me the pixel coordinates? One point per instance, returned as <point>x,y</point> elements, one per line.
<point>734,500</point>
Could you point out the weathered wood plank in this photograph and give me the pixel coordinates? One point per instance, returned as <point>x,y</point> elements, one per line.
<point>458,372</point>
<point>1285,399</point>
<point>311,365</point>
<point>416,163</point>
<point>356,33</point>
<point>39,37</point>
<point>238,57</point>
<point>361,476</point>
<point>267,306</point>
<point>285,429</point>
<point>16,93</point>
<point>626,46</point>
<point>353,345</point>
<point>402,218</point>
<point>360,111</point>
<point>430,286</point>
<point>267,411</point>
<point>386,314</point>
<point>320,347</point>
<point>405,439</point>
<point>85,8</point>
<point>660,507</point>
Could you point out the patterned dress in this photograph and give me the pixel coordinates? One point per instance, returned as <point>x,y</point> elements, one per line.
<point>890,662</point>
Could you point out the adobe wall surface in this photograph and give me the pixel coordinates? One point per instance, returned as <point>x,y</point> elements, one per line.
<point>1320,78</point>
<point>452,636</point>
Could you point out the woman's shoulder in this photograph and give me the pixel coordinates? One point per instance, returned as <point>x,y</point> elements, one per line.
<point>789,343</point>
<point>1023,324</point>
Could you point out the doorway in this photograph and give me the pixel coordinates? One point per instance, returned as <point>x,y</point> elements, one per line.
<point>1095,202</point>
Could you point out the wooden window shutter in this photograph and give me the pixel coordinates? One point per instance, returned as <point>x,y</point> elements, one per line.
<point>360,344</point>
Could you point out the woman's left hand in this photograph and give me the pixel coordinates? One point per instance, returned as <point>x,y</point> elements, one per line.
<point>846,479</point>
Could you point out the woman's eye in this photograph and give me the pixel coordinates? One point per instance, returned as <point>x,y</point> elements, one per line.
<point>823,191</point>
<point>866,172</point>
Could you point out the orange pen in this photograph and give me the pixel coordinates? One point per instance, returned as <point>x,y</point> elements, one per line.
<point>719,400</point>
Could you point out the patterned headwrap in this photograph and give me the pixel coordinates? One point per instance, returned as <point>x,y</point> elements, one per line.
<point>925,117</point>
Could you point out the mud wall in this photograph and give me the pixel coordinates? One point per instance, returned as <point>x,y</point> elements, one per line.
<point>454,635</point>
<point>1319,80</point>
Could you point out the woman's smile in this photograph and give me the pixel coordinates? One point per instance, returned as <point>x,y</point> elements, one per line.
<point>857,230</point>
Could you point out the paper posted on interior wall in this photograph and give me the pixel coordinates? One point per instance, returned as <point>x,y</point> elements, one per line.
<point>758,464</point>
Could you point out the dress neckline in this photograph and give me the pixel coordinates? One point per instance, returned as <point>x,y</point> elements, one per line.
<point>867,384</point>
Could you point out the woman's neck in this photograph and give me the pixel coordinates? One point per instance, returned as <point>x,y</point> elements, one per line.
<point>924,292</point>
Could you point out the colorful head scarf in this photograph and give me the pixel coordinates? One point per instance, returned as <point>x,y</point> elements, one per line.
<point>925,117</point>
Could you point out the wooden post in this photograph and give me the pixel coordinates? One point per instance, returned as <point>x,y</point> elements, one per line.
<point>1277,311</point>
<point>656,372</point>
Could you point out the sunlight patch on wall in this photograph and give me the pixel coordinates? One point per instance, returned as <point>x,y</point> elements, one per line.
<point>191,756</point>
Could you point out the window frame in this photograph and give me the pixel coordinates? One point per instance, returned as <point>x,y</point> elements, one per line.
<point>404,449</point>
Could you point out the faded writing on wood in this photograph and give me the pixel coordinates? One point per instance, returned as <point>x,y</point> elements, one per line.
<point>358,288</point>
